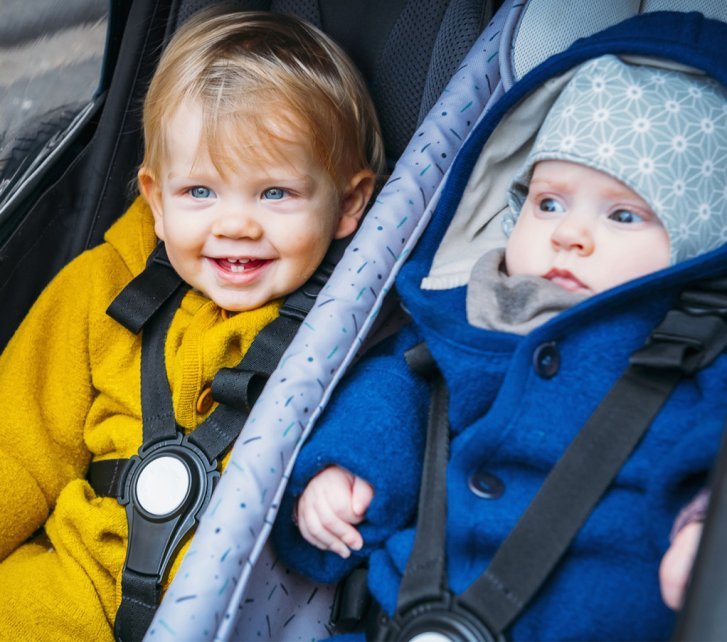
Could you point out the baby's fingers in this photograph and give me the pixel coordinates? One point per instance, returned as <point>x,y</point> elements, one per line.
<point>361,495</point>
<point>314,533</point>
<point>325,530</point>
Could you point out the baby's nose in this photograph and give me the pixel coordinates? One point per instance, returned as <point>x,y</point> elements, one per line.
<point>573,233</point>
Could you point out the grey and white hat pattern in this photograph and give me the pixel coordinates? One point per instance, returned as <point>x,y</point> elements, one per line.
<point>661,132</point>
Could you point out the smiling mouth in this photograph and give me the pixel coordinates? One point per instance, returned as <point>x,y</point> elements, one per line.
<point>566,280</point>
<point>238,266</point>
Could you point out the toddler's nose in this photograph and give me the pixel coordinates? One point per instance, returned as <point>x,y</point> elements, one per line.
<point>237,224</point>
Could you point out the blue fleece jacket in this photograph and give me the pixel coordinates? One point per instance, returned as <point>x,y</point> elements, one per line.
<point>513,420</point>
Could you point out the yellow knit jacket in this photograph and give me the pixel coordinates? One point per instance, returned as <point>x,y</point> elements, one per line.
<point>69,390</point>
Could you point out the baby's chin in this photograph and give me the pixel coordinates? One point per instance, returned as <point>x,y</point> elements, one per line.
<point>235,304</point>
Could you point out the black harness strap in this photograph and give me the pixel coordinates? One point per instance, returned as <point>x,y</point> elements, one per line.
<point>568,495</point>
<point>425,577</point>
<point>234,388</point>
<point>146,293</point>
<point>141,595</point>
<point>144,569</point>
<point>107,477</point>
<point>156,401</point>
<point>688,339</point>
<point>150,302</point>
<point>239,387</point>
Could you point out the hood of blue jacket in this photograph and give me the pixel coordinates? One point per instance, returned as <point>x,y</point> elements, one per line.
<point>675,38</point>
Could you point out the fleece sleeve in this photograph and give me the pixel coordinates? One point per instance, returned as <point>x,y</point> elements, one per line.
<point>375,427</point>
<point>45,393</point>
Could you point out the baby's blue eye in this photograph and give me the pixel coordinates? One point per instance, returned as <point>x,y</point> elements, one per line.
<point>550,205</point>
<point>201,192</point>
<point>274,194</point>
<point>626,216</point>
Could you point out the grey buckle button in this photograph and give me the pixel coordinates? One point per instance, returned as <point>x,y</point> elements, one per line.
<point>163,485</point>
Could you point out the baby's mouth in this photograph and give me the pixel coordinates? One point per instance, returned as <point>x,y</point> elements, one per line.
<point>240,265</point>
<point>566,280</point>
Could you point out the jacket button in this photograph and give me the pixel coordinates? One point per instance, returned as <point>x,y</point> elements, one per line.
<point>486,485</point>
<point>204,401</point>
<point>546,360</point>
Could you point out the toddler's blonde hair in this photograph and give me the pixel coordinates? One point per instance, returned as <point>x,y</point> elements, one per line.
<point>261,77</point>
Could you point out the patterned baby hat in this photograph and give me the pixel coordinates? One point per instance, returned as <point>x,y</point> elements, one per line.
<point>661,132</point>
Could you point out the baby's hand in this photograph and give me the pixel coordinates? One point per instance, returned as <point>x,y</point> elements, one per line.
<point>676,565</point>
<point>332,502</point>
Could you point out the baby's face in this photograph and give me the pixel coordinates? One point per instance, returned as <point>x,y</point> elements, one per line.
<point>584,230</point>
<point>251,235</point>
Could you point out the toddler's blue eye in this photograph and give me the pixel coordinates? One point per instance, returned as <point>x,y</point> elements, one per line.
<point>274,194</point>
<point>201,192</point>
<point>626,216</point>
<point>550,205</point>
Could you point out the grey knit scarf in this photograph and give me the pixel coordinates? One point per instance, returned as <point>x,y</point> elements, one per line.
<point>516,304</point>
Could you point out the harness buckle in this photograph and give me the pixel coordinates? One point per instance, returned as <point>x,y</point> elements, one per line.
<point>443,620</point>
<point>351,601</point>
<point>166,487</point>
<point>688,339</point>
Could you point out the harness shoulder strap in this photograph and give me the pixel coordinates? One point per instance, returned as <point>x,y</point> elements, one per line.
<point>425,577</point>
<point>146,293</point>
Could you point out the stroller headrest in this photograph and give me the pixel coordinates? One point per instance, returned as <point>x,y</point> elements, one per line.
<point>546,28</point>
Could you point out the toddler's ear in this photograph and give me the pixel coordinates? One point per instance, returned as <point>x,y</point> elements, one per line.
<point>152,193</point>
<point>353,202</point>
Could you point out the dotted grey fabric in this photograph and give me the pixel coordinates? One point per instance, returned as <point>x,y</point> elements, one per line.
<point>547,27</point>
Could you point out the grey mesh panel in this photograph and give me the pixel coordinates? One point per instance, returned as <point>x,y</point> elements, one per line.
<point>716,9</point>
<point>188,8</point>
<point>306,9</point>
<point>402,72</point>
<point>463,22</point>
<point>548,27</point>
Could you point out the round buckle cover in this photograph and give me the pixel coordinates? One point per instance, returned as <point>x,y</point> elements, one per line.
<point>439,621</point>
<point>163,485</point>
<point>167,486</point>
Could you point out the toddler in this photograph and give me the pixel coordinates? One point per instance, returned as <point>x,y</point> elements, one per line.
<point>261,147</point>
